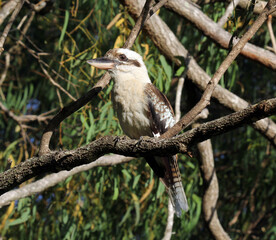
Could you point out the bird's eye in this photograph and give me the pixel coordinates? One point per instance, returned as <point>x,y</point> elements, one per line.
<point>122,57</point>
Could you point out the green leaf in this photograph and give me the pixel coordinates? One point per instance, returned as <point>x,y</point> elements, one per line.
<point>136,179</point>
<point>26,214</point>
<point>116,190</point>
<point>127,175</point>
<point>160,189</point>
<point>127,214</point>
<point>179,71</point>
<point>64,28</point>
<point>137,208</point>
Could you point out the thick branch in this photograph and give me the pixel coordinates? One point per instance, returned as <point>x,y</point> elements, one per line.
<point>219,35</point>
<point>66,160</point>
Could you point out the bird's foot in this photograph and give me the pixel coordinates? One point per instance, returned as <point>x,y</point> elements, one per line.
<point>141,139</point>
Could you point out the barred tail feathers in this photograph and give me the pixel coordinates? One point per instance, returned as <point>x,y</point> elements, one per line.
<point>173,183</point>
<point>178,198</point>
<point>167,170</point>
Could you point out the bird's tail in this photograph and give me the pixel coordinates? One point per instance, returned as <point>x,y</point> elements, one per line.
<point>174,187</point>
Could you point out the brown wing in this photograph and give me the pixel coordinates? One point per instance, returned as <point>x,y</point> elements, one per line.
<point>160,114</point>
<point>160,111</point>
<point>166,168</point>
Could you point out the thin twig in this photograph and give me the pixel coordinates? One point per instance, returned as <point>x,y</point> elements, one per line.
<point>55,83</point>
<point>178,98</point>
<point>8,26</point>
<point>4,74</point>
<point>26,118</point>
<point>169,226</point>
<point>138,25</point>
<point>170,218</point>
<point>271,33</point>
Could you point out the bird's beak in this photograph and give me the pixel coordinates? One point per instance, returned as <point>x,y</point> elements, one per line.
<point>102,63</point>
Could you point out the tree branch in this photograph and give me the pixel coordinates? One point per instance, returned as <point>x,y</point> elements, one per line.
<point>168,43</point>
<point>205,99</point>
<point>7,9</point>
<point>219,35</point>
<point>232,5</point>
<point>66,160</point>
<point>53,179</point>
<point>8,26</point>
<point>211,190</point>
<point>169,226</point>
<point>258,7</point>
<point>271,33</point>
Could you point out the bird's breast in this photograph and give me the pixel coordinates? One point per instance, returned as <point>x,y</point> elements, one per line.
<point>130,104</point>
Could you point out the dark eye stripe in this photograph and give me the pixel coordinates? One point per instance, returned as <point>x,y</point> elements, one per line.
<point>135,63</point>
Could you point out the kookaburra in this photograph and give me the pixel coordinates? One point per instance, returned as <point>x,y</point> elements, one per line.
<point>143,111</point>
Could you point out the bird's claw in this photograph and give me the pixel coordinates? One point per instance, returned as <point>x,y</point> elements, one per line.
<point>141,139</point>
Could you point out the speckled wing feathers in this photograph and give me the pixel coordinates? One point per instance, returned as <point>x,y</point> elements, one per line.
<point>161,118</point>
<point>160,111</point>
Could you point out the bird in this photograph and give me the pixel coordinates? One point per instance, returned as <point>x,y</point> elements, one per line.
<point>143,110</point>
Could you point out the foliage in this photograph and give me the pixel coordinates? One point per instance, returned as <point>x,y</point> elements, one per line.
<point>127,201</point>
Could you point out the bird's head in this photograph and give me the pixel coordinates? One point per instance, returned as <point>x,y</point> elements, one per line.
<point>122,63</point>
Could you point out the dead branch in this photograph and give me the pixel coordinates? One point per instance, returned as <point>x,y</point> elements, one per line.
<point>169,226</point>
<point>66,160</point>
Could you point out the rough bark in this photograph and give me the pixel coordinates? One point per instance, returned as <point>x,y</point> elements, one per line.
<point>66,160</point>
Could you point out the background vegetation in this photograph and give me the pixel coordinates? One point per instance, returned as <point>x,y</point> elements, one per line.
<point>127,201</point>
